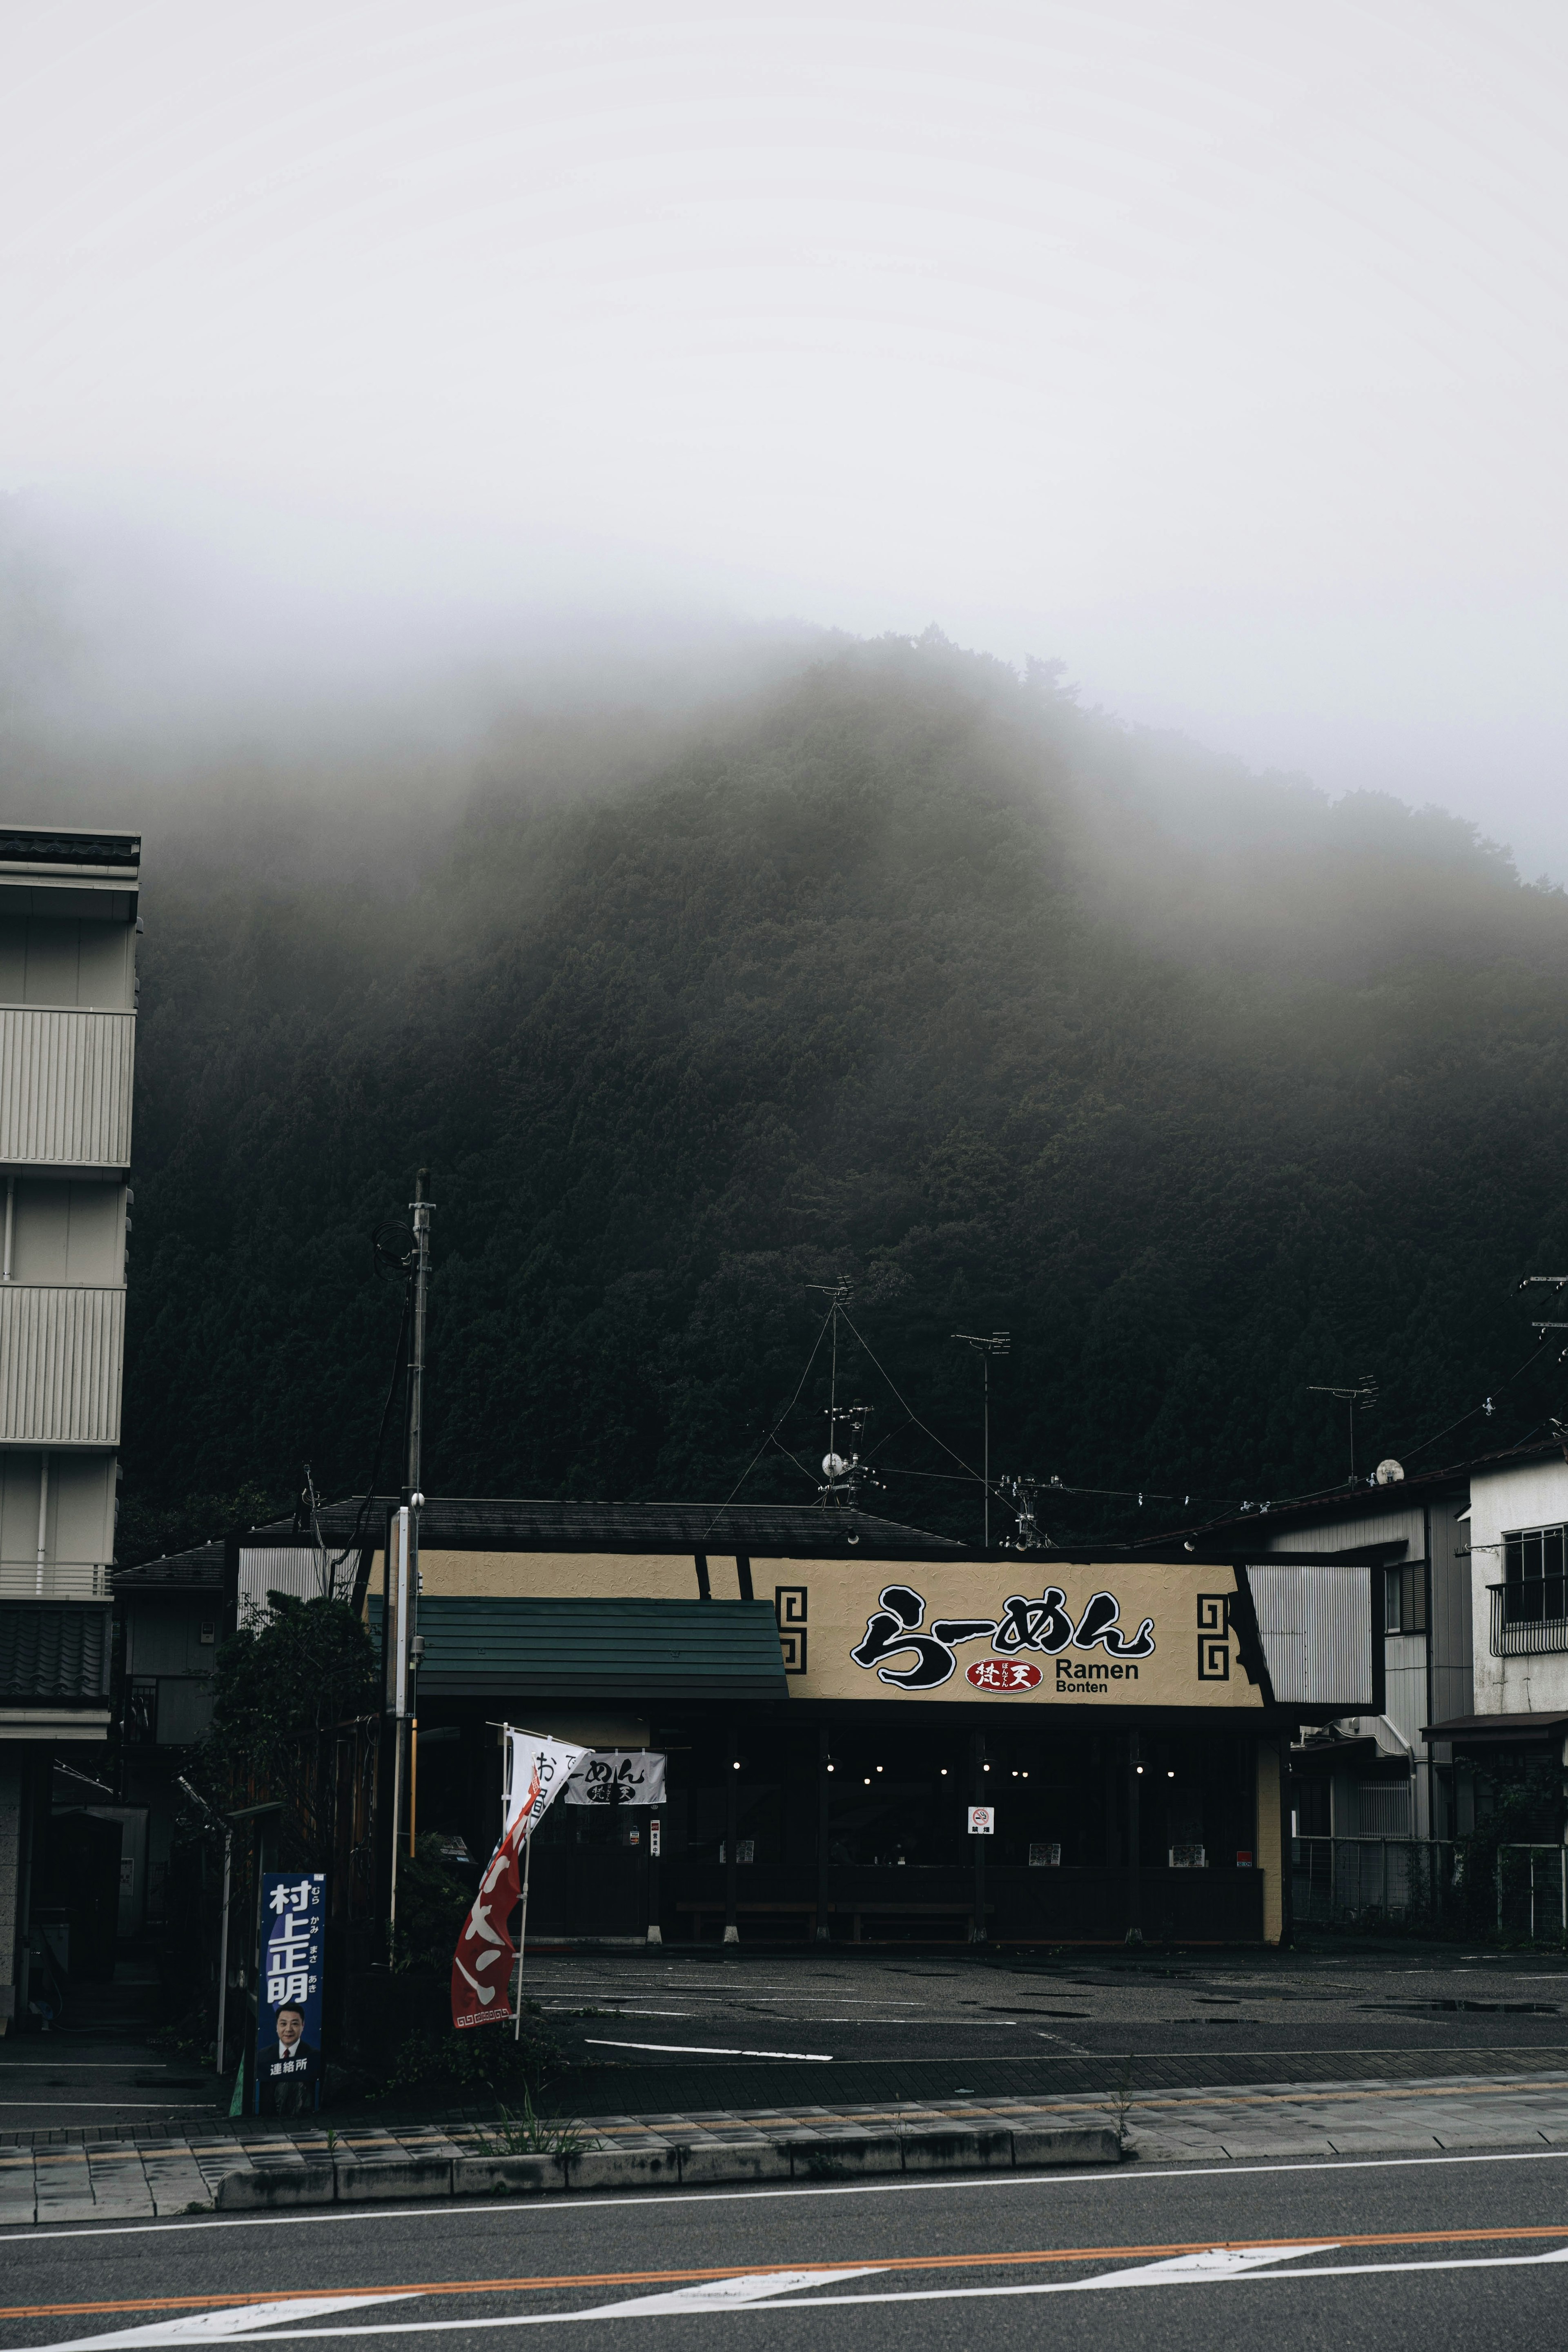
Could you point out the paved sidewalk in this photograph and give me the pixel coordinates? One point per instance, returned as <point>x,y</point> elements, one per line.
<point>154,2175</point>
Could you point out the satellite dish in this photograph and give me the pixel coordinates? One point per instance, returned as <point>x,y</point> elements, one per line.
<point>1388,1473</point>
<point>835,1465</point>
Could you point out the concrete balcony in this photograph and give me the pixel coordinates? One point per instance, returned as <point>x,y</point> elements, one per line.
<point>62,1354</point>
<point>65,1087</point>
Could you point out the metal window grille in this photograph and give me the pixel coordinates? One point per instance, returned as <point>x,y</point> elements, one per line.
<point>1517,1635</point>
<point>141,1713</point>
<point>1535,1588</point>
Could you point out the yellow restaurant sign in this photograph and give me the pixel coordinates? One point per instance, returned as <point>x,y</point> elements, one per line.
<point>1017,1634</point>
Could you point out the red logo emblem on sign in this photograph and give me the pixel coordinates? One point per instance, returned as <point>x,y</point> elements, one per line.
<point>1003,1675</point>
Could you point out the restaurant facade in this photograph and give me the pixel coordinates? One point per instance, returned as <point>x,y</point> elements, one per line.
<point>868,1734</point>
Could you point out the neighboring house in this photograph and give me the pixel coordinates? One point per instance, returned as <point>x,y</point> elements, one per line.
<point>1379,1775</point>
<point>171,1614</point>
<point>68,1024</point>
<point>1517,1531</point>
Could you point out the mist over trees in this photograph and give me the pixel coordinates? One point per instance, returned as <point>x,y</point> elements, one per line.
<point>896,967</point>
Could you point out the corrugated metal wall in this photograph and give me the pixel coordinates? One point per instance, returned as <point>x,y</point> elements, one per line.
<point>60,1357</point>
<point>282,1567</point>
<point>1316,1627</point>
<point>65,1087</point>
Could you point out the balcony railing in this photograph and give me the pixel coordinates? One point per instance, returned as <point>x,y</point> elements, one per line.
<point>65,1087</point>
<point>61,1351</point>
<point>1529,1621</point>
<point>63,1579</point>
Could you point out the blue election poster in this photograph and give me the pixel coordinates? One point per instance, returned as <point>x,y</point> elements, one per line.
<point>289,2013</point>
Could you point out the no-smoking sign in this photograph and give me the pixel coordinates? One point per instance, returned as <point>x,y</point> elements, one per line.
<point>982,1820</point>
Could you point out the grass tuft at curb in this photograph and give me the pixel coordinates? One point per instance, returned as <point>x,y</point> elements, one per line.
<point>840,2156</point>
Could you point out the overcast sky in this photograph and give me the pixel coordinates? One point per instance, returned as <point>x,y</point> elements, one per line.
<point>1214,346</point>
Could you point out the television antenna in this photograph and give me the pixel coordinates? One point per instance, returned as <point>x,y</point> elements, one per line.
<point>1023,1492</point>
<point>841,1464</point>
<point>1360,1397</point>
<point>985,1345</point>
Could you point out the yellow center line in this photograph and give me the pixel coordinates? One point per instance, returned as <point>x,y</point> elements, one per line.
<point>768,2269</point>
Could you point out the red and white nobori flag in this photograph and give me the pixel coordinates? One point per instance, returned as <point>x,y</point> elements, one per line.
<point>481,1965</point>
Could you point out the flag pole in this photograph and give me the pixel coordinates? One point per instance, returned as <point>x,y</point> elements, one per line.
<point>522,1931</point>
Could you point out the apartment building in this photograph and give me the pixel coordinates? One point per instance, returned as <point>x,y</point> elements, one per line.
<point>68,1026</point>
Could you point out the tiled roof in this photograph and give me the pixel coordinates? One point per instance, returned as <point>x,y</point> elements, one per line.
<point>55,1650</point>
<point>766,1530</point>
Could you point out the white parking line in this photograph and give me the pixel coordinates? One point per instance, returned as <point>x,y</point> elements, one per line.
<point>706,2049</point>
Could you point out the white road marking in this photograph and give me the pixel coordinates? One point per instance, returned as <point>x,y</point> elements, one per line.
<point>706,2049</point>
<point>449,2209</point>
<point>160,2105</point>
<point>237,2320</point>
<point>720,2294</point>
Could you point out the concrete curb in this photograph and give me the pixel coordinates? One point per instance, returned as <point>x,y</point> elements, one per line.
<point>846,2156</point>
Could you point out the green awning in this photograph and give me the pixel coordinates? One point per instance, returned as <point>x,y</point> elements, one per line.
<point>598,1649</point>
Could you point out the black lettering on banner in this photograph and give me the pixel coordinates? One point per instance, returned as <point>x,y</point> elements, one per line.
<point>1214,1637</point>
<point>898,1630</point>
<point>790,1609</point>
<point>1099,1623</point>
<point>1042,1624</point>
<point>893,1631</point>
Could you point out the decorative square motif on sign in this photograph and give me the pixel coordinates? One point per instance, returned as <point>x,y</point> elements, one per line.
<point>1214,1637</point>
<point>789,1610</point>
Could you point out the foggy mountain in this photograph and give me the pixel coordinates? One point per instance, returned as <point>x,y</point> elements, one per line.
<point>876,962</point>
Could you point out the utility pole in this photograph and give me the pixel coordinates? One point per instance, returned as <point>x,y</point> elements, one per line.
<point>404,1545</point>
<point>1361,1396</point>
<point>986,1345</point>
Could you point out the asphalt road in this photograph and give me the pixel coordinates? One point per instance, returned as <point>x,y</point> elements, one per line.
<point>1435,2251</point>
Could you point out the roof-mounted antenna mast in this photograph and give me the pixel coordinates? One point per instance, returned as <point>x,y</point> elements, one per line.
<point>986,1344</point>
<point>1360,1397</point>
<point>844,1472</point>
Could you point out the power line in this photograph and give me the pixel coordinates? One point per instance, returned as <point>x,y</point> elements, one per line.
<point>768,1440</point>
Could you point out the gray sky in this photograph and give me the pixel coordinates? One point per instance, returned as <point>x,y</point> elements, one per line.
<point>1217,346</point>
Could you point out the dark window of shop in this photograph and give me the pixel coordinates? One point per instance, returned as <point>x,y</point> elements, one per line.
<point>1533,1576</point>
<point>1405,1598</point>
<point>141,1711</point>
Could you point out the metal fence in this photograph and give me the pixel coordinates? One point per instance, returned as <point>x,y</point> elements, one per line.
<point>1361,1881</point>
<point>1532,1893</point>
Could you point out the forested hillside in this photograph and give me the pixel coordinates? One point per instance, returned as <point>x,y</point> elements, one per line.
<point>906,971</point>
